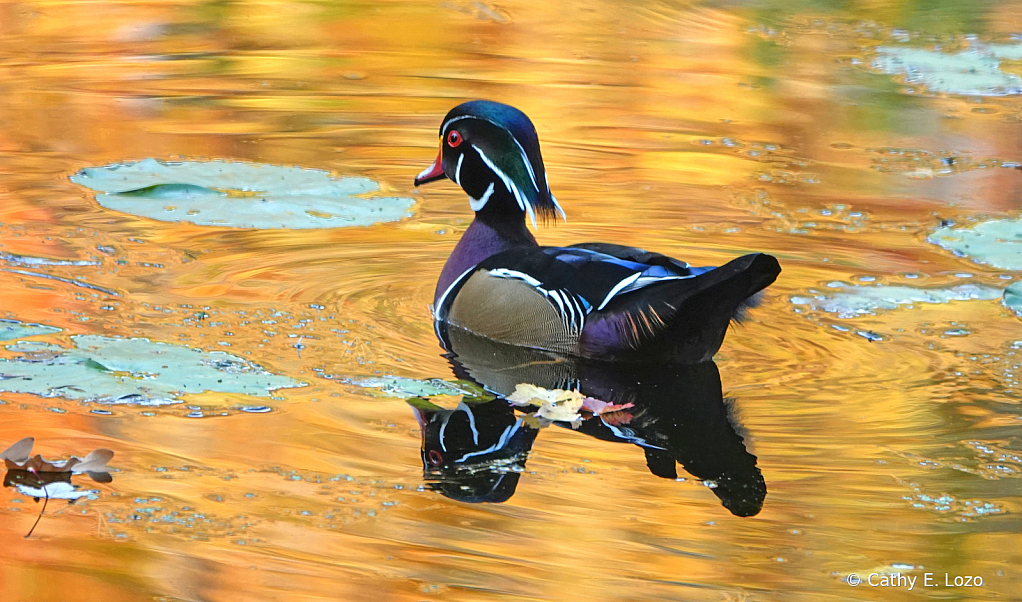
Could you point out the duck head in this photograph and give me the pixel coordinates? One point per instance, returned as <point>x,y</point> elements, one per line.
<point>491,150</point>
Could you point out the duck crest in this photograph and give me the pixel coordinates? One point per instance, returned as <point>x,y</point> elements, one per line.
<point>492,151</point>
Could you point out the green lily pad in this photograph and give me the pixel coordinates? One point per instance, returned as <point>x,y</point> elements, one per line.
<point>13,329</point>
<point>404,388</point>
<point>973,72</point>
<point>1013,298</point>
<point>997,243</point>
<point>850,301</point>
<point>240,195</point>
<point>139,371</point>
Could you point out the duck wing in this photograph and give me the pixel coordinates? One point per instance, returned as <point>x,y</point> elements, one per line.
<point>551,297</point>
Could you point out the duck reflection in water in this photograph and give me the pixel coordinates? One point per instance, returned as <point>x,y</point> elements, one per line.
<point>477,451</point>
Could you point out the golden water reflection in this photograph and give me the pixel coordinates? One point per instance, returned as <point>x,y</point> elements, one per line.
<point>702,130</point>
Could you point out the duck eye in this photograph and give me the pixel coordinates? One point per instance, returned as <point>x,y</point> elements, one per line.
<point>435,458</point>
<point>453,138</point>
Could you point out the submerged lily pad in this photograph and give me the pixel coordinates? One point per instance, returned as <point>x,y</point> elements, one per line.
<point>403,388</point>
<point>109,370</point>
<point>974,72</point>
<point>850,301</point>
<point>997,243</point>
<point>240,195</point>
<point>1013,298</point>
<point>13,329</point>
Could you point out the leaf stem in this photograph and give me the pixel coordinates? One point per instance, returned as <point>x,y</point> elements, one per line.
<point>46,500</point>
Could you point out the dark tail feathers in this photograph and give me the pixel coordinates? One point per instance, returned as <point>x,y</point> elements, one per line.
<point>682,320</point>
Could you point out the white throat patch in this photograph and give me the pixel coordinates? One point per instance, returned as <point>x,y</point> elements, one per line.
<point>477,204</point>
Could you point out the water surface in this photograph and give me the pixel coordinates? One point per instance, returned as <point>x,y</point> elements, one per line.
<point>888,439</point>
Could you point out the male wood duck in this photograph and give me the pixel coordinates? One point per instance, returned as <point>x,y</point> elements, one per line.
<point>593,300</point>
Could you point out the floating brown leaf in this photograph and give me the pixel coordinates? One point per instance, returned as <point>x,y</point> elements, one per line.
<point>35,477</point>
<point>19,451</point>
<point>554,404</point>
<point>16,457</point>
<point>598,406</point>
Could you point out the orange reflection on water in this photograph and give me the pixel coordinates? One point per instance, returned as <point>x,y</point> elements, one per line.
<point>697,130</point>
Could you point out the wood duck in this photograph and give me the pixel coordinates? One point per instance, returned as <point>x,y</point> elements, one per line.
<point>593,300</point>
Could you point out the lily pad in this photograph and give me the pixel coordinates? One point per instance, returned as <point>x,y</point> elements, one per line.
<point>850,301</point>
<point>997,243</point>
<point>240,195</point>
<point>973,72</point>
<point>13,329</point>
<point>140,371</point>
<point>1013,298</point>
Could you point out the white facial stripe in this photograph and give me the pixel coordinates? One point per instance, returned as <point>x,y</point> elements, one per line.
<point>504,178</point>
<point>457,170</point>
<point>522,203</point>
<point>477,204</point>
<point>617,288</point>
<point>557,205</point>
<point>525,159</point>
<point>532,214</point>
<point>443,128</point>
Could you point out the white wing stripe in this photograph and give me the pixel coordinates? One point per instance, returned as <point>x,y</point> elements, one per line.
<point>617,288</point>
<point>557,299</point>
<point>506,273</point>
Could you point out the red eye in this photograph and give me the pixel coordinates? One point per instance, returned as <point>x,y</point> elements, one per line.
<point>434,456</point>
<point>453,138</point>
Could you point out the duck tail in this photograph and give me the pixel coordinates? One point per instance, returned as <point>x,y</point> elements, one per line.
<point>680,320</point>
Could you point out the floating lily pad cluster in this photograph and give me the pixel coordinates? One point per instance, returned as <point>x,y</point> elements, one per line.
<point>240,195</point>
<point>973,72</point>
<point>140,371</point>
<point>997,243</point>
<point>850,301</point>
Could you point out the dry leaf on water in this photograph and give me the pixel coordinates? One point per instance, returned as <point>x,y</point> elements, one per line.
<point>554,404</point>
<point>598,406</point>
<point>16,457</point>
<point>37,478</point>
